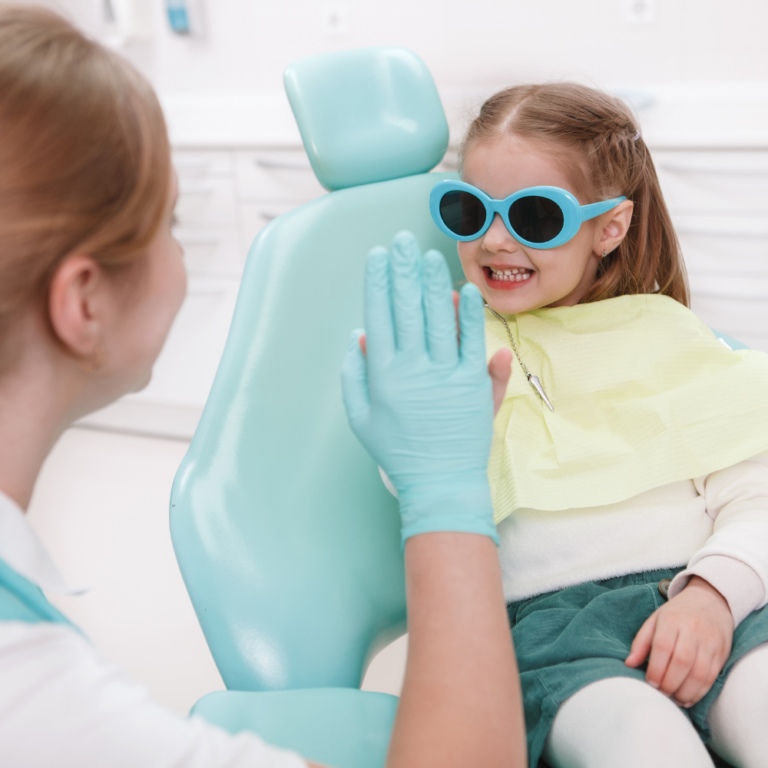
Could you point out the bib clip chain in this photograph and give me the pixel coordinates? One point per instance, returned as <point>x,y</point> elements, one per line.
<point>532,380</point>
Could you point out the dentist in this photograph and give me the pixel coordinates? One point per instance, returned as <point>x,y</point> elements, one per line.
<point>91,278</point>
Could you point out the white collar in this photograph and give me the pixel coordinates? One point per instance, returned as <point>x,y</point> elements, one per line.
<point>21,550</point>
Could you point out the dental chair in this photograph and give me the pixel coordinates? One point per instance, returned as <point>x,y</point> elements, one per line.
<point>287,540</point>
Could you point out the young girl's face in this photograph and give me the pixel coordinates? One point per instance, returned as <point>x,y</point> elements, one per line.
<point>552,277</point>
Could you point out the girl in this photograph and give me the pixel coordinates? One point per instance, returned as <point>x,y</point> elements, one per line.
<point>90,280</point>
<point>629,472</point>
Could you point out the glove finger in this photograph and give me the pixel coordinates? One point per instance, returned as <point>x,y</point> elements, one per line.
<point>406,293</point>
<point>354,382</point>
<point>472,326</point>
<point>379,324</point>
<point>438,309</point>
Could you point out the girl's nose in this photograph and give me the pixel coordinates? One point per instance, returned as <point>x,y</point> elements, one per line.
<point>498,238</point>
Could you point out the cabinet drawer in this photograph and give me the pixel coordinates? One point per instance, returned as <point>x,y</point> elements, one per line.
<point>211,252</point>
<point>194,164</point>
<point>716,243</point>
<point>255,216</point>
<point>732,181</point>
<point>745,318</point>
<point>280,175</point>
<point>184,371</point>
<point>727,285</point>
<point>206,201</point>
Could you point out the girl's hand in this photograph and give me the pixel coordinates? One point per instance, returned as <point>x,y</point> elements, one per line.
<point>499,366</point>
<point>689,640</point>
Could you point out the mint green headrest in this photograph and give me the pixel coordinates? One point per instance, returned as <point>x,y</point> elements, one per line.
<point>367,115</point>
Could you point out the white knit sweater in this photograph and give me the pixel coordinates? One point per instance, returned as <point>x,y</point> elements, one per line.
<point>717,525</point>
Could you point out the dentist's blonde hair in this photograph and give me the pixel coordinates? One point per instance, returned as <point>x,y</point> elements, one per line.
<point>598,141</point>
<point>84,158</point>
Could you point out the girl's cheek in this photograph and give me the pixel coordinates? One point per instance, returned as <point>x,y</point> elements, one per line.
<point>467,257</point>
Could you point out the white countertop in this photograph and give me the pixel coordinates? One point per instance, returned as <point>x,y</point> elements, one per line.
<point>682,115</point>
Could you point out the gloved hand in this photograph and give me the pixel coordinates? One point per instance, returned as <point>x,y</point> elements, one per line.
<point>420,403</point>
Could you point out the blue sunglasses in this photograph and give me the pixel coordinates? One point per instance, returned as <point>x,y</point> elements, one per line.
<point>539,217</point>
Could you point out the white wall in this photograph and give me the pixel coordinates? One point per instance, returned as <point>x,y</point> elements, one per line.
<point>248,43</point>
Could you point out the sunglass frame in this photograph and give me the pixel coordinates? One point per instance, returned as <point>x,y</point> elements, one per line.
<point>574,214</point>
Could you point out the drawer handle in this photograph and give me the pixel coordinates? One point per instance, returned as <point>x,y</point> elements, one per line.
<point>206,292</point>
<point>185,188</point>
<point>199,239</point>
<point>735,296</point>
<point>682,168</point>
<point>281,165</point>
<point>720,233</point>
<point>192,167</point>
<point>705,272</point>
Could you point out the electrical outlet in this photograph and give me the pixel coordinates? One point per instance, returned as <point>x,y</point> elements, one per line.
<point>125,21</point>
<point>335,19</point>
<point>640,11</point>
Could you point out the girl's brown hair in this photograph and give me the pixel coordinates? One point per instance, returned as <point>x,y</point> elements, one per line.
<point>599,142</point>
<point>84,156</point>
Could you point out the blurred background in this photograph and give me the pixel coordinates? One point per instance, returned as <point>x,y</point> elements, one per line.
<point>694,71</point>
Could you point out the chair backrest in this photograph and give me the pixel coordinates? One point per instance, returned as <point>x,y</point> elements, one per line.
<point>287,540</point>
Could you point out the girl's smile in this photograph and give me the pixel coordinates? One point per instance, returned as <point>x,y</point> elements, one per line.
<point>505,278</point>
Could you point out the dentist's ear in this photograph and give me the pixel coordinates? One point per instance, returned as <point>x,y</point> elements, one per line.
<point>76,305</point>
<point>612,228</point>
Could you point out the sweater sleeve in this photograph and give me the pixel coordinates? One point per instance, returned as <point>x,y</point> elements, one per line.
<point>734,559</point>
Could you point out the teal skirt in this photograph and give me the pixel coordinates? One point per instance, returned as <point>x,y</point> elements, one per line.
<point>567,639</point>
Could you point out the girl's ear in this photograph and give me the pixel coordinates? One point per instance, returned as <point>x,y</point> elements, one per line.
<point>613,227</point>
<point>76,305</point>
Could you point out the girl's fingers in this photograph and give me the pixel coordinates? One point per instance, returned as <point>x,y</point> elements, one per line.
<point>379,322</point>
<point>694,685</point>
<point>680,664</point>
<point>641,645</point>
<point>361,342</point>
<point>716,663</point>
<point>354,381</point>
<point>407,294</point>
<point>662,648</point>
<point>439,311</point>
<point>714,670</point>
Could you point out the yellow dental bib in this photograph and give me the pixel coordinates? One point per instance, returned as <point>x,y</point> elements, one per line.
<point>644,395</point>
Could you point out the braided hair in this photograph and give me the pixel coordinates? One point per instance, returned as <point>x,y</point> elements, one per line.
<point>598,140</point>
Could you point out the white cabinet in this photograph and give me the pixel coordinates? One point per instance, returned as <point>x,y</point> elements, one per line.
<point>225,197</point>
<point>723,181</point>
<point>277,175</point>
<point>718,201</point>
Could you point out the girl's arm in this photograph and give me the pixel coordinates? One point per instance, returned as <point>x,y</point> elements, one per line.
<point>689,639</point>
<point>734,559</point>
<point>461,702</point>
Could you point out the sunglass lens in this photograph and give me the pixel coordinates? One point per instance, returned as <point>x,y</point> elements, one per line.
<point>536,219</point>
<point>462,212</point>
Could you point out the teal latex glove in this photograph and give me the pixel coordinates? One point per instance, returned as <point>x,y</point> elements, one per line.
<point>418,401</point>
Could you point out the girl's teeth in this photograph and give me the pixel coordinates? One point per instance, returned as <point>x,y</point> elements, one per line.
<point>514,275</point>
